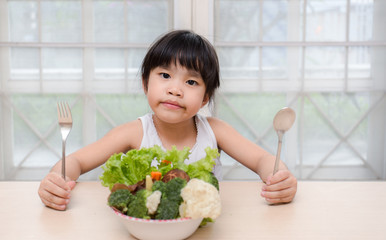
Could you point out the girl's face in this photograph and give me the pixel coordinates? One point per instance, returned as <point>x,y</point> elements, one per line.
<point>175,94</point>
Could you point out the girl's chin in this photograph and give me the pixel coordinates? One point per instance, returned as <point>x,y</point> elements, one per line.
<point>171,117</point>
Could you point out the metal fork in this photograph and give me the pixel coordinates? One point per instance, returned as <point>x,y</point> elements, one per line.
<point>65,123</point>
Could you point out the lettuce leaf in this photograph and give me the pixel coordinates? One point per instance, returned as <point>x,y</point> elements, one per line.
<point>174,158</point>
<point>202,169</point>
<point>131,167</point>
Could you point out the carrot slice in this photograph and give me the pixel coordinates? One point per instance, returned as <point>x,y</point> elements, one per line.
<point>156,176</point>
<point>166,161</point>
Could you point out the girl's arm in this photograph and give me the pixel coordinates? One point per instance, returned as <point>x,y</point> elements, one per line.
<point>55,192</point>
<point>278,188</point>
<point>119,139</point>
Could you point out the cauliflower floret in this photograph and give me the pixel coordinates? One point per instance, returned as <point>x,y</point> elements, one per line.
<point>201,200</point>
<point>153,201</point>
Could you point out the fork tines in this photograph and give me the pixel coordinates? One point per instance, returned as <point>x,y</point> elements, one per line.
<point>64,112</point>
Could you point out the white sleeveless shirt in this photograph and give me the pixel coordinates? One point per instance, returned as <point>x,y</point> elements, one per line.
<point>205,138</point>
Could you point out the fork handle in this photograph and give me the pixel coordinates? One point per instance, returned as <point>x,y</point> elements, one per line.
<point>64,159</point>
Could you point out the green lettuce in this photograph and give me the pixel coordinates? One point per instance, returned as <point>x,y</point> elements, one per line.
<point>174,159</point>
<point>133,166</point>
<point>202,169</point>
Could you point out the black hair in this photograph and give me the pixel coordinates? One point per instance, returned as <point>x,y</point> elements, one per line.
<point>190,50</point>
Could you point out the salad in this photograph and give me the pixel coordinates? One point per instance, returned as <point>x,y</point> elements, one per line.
<point>151,183</point>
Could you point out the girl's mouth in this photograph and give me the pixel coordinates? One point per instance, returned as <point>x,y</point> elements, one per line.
<point>171,105</point>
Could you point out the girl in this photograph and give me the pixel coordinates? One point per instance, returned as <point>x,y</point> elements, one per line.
<point>180,74</point>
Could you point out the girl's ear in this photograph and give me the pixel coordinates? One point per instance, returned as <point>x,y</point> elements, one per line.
<point>205,101</point>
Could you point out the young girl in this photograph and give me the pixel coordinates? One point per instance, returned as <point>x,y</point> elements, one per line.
<point>180,74</point>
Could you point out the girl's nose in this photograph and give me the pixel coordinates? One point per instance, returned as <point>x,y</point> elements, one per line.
<point>175,91</point>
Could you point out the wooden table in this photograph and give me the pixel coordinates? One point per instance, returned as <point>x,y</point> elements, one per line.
<point>321,210</point>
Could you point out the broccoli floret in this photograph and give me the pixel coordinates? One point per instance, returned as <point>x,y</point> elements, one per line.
<point>159,185</point>
<point>120,199</point>
<point>214,181</point>
<point>173,189</point>
<point>167,209</point>
<point>171,199</point>
<point>137,206</point>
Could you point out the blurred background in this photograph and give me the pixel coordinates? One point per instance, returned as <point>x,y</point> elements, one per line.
<point>324,58</point>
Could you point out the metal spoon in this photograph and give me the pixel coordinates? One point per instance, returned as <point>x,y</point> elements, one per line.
<point>282,122</point>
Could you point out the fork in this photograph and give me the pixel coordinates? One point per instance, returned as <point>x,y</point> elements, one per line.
<point>65,123</point>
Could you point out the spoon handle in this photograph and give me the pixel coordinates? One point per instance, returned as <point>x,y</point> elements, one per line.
<point>276,168</point>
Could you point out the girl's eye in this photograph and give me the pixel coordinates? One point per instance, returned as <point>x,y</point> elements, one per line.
<point>165,75</point>
<point>191,82</point>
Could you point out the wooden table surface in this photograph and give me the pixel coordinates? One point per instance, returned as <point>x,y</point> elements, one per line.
<point>321,210</point>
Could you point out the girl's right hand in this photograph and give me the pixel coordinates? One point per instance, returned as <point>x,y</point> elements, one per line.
<point>55,192</point>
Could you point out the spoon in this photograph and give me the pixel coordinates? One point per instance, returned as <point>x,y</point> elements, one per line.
<point>282,122</point>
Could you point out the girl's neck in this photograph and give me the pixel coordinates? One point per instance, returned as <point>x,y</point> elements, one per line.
<point>183,134</point>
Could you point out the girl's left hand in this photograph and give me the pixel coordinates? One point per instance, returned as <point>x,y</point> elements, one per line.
<point>279,188</point>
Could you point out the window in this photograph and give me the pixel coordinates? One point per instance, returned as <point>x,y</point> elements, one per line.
<point>85,52</point>
<point>323,58</point>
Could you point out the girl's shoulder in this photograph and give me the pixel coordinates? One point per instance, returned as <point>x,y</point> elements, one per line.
<point>215,121</point>
<point>131,126</point>
<point>221,129</point>
<point>130,133</point>
<point>217,124</point>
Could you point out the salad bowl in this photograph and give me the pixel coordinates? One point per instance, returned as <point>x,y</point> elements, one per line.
<point>150,229</point>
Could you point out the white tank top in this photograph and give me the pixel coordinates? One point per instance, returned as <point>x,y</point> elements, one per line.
<point>205,138</point>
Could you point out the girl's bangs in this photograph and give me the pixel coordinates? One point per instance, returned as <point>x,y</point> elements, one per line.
<point>189,60</point>
<point>185,59</point>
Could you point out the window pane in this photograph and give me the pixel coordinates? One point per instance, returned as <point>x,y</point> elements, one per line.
<point>25,63</point>
<point>239,62</point>
<point>61,21</point>
<point>361,17</point>
<point>147,20</point>
<point>326,20</point>
<point>253,122</point>
<point>135,57</point>
<point>257,109</point>
<point>120,109</point>
<point>359,65</point>
<point>343,111</point>
<point>237,20</point>
<point>274,62</point>
<point>324,62</point>
<point>35,121</point>
<point>109,63</point>
<point>23,21</point>
<point>62,63</point>
<point>275,20</point>
<point>109,21</point>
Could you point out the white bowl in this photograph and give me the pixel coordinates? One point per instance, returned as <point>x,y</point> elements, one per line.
<point>172,229</point>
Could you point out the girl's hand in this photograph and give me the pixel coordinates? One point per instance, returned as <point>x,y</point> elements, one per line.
<point>279,188</point>
<point>55,192</point>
